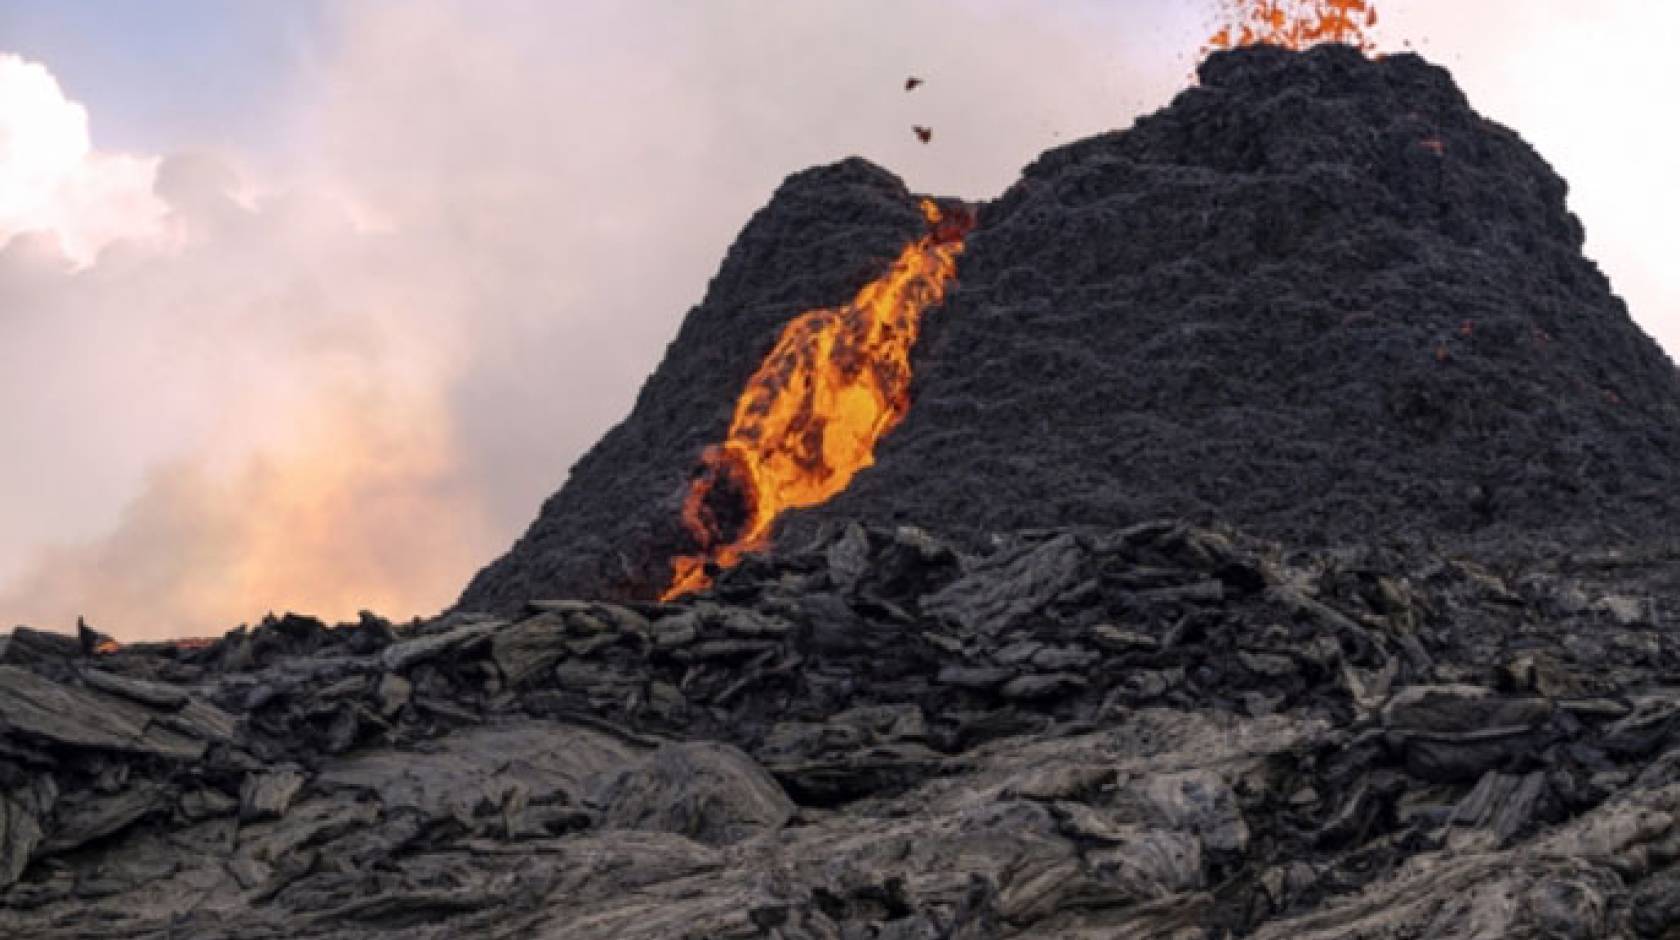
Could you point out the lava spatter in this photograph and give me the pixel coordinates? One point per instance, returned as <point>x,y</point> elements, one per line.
<point>1294,24</point>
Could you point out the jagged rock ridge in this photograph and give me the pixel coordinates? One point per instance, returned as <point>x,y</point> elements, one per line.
<point>1317,296</point>
<point>1162,731</point>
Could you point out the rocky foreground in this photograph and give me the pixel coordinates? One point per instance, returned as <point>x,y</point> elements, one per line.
<point>1162,731</point>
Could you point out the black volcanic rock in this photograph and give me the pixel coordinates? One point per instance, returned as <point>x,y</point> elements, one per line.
<point>1318,297</point>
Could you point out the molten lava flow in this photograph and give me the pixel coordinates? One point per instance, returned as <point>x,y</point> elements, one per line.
<point>836,381</point>
<point>1294,24</point>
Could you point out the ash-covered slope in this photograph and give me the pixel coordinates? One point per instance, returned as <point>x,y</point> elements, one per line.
<point>1318,297</point>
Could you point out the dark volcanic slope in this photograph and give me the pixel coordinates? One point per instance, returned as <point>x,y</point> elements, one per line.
<point>1317,297</point>
<point>614,525</point>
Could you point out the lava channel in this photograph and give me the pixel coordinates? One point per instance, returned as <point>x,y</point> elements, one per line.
<point>837,380</point>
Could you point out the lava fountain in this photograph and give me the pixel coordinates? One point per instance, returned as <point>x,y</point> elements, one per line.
<point>1294,24</point>
<point>837,380</point>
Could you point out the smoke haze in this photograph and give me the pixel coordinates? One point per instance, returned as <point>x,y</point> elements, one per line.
<point>342,373</point>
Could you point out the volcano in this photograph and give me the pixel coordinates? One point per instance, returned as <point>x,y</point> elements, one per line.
<point>1255,523</point>
<point>1317,297</point>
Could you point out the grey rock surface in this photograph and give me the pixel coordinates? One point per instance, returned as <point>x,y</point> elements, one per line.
<point>1365,743</point>
<point>711,793</point>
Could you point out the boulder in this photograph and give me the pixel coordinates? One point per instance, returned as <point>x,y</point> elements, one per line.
<point>711,793</point>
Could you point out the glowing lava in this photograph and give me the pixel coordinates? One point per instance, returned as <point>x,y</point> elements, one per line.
<point>1294,24</point>
<point>107,647</point>
<point>836,381</point>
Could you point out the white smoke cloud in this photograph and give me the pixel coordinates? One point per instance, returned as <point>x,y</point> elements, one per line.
<point>53,182</point>
<point>252,417</point>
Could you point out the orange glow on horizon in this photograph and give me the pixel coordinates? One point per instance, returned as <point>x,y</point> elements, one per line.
<point>355,505</point>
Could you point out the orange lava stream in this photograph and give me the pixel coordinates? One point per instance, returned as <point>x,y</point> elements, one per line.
<point>1294,24</point>
<point>837,380</point>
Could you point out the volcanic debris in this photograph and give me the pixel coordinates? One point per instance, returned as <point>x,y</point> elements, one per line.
<point>1162,730</point>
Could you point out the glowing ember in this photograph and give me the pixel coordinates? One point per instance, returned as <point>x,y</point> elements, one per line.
<point>1294,24</point>
<point>107,647</point>
<point>194,643</point>
<point>836,381</point>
